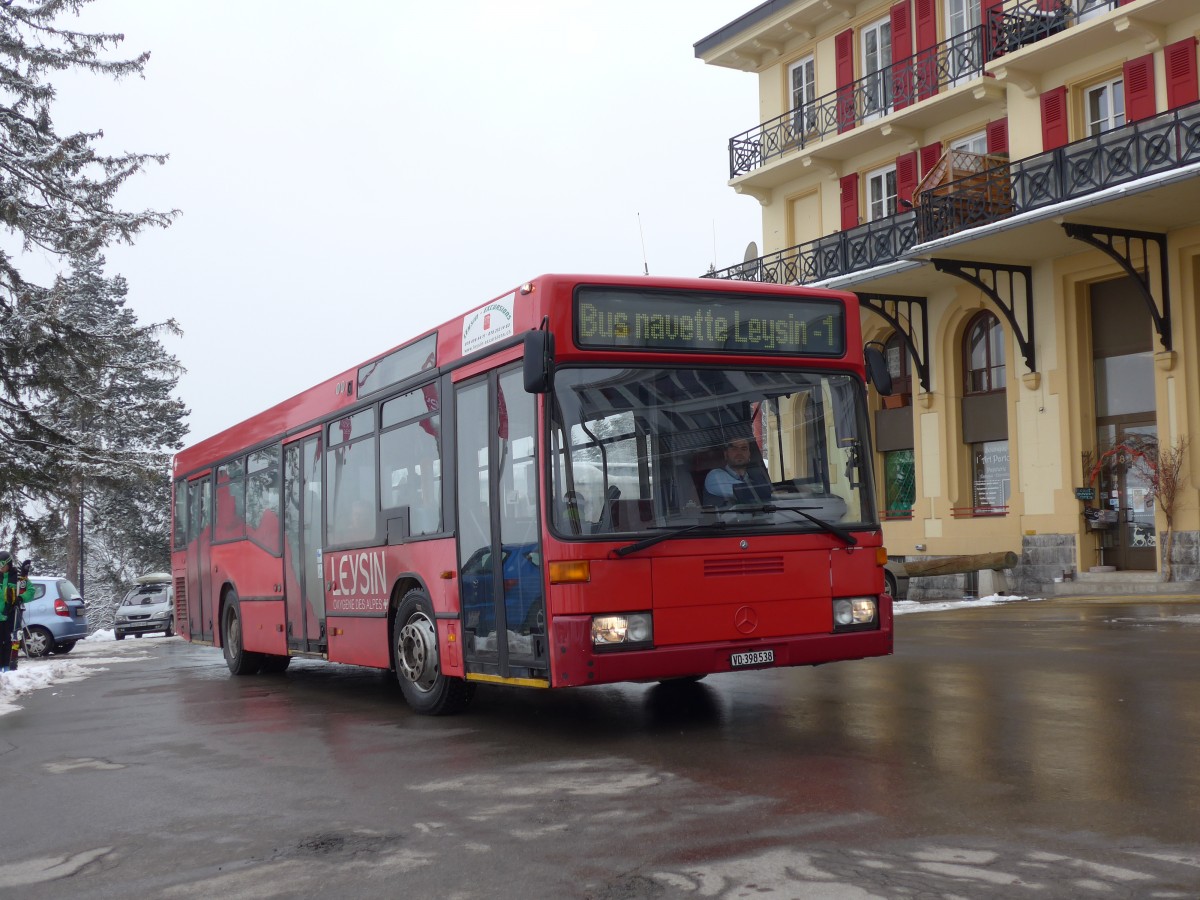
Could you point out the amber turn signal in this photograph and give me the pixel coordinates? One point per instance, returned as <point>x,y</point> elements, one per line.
<point>570,572</point>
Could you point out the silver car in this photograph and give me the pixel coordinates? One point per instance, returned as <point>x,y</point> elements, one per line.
<point>895,575</point>
<point>149,608</point>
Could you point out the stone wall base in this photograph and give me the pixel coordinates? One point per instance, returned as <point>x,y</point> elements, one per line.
<point>1044,557</point>
<point>1185,556</point>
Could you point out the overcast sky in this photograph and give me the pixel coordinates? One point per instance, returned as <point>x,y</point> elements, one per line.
<point>352,174</point>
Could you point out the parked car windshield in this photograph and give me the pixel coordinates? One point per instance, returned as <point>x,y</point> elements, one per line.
<point>147,595</point>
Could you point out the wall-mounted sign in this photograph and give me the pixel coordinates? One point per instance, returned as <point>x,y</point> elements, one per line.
<point>1085,493</point>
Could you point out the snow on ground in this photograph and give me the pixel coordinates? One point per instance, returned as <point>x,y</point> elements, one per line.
<point>900,607</point>
<point>97,652</point>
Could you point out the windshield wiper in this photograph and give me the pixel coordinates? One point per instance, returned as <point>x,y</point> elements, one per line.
<point>799,510</point>
<point>664,536</point>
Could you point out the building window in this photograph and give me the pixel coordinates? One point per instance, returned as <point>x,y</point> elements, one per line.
<point>881,193</point>
<point>804,93</point>
<point>896,354</point>
<point>962,24</point>
<point>877,56</point>
<point>1104,106</point>
<point>989,477</point>
<point>900,484</point>
<point>983,355</point>
<point>972,143</point>
<point>1089,9</point>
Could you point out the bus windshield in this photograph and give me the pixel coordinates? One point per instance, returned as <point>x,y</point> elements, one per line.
<point>636,450</point>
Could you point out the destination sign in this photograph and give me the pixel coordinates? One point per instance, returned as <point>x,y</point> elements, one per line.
<point>699,323</point>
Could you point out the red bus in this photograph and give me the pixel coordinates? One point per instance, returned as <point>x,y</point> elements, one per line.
<point>523,496</point>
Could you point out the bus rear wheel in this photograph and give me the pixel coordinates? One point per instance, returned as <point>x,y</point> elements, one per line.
<point>239,661</point>
<point>418,668</point>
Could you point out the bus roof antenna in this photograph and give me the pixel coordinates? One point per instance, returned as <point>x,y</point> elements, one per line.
<point>645,264</point>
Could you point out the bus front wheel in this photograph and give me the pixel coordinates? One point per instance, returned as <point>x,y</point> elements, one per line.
<point>418,668</point>
<point>239,661</point>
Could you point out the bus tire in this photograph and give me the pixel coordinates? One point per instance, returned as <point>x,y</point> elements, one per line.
<point>418,668</point>
<point>274,665</point>
<point>239,661</point>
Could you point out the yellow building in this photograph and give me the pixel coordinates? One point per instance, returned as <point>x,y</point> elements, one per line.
<point>1012,189</point>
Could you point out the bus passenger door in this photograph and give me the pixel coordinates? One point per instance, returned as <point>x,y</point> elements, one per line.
<point>199,566</point>
<point>302,566</point>
<point>500,560</point>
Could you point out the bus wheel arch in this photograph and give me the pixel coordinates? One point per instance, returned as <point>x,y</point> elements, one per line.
<point>237,658</point>
<point>415,657</point>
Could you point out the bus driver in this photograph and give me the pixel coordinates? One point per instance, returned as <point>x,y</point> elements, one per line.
<point>720,484</point>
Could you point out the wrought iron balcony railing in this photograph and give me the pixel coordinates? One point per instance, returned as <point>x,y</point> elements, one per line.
<point>874,244</point>
<point>1115,157</point>
<point>901,84</point>
<point>1152,146</point>
<point>1034,20</point>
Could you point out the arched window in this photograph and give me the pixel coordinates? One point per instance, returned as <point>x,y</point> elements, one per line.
<point>896,353</point>
<point>983,355</point>
<point>985,417</point>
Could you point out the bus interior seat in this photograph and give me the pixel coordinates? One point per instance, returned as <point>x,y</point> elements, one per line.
<point>630,515</point>
<point>703,462</point>
<point>682,491</point>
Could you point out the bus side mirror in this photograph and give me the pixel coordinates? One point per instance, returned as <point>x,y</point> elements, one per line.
<point>539,362</point>
<point>877,369</point>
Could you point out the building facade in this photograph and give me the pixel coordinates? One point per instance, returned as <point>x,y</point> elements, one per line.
<point>1013,189</point>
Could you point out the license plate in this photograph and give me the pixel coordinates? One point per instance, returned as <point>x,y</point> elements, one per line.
<point>752,658</point>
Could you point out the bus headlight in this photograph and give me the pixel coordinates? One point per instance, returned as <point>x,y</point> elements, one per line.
<point>854,613</point>
<point>622,630</point>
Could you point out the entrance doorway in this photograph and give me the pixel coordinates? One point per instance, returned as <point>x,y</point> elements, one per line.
<point>500,565</point>
<point>1122,486</point>
<point>304,587</point>
<point>1123,370</point>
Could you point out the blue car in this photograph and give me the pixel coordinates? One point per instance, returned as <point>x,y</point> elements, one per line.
<point>521,567</point>
<point>54,620</point>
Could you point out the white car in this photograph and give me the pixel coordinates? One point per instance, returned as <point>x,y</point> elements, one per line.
<point>148,608</point>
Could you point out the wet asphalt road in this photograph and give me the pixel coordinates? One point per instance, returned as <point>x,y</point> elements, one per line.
<point>1047,749</point>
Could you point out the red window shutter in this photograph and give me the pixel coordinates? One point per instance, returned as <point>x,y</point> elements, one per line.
<point>927,38</point>
<point>997,136</point>
<point>902,43</point>
<point>843,53</point>
<point>1182,87</point>
<point>1139,88</point>
<point>906,180</point>
<point>989,15</point>
<point>1054,118</point>
<point>902,35</point>
<point>849,201</point>
<point>930,154</point>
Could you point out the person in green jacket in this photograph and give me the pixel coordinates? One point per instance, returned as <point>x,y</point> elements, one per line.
<point>15,588</point>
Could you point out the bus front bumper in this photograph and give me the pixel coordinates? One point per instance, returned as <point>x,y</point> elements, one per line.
<point>576,662</point>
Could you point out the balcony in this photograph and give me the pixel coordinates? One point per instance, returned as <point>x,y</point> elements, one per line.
<point>1113,158</point>
<point>951,63</point>
<point>982,195</point>
<point>1032,38</point>
<point>876,243</point>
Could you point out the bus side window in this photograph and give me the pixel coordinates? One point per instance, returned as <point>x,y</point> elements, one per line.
<point>231,502</point>
<point>410,473</point>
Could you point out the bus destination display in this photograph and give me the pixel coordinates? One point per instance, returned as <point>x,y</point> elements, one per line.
<point>642,320</point>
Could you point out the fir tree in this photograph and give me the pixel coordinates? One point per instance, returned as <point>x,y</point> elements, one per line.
<point>86,413</point>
